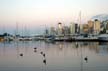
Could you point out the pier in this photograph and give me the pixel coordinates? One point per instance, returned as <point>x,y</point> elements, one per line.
<point>54,39</point>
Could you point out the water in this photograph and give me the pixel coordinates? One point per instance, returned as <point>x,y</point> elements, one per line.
<point>59,56</point>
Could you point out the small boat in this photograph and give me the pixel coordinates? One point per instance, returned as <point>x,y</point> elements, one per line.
<point>49,38</point>
<point>82,38</point>
<point>103,37</point>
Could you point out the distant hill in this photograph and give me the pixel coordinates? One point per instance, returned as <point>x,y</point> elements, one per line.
<point>101,17</point>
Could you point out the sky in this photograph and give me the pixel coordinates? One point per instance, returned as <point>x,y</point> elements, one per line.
<point>33,16</point>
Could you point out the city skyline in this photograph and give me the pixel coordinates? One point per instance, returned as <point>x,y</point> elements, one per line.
<point>38,14</point>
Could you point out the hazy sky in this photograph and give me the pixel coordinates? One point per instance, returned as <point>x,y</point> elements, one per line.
<point>35,14</point>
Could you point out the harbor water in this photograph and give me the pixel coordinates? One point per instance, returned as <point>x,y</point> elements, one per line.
<point>58,56</point>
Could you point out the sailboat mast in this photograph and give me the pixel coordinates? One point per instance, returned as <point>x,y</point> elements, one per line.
<point>81,46</point>
<point>79,23</point>
<point>16,32</point>
<point>16,28</point>
<point>80,17</point>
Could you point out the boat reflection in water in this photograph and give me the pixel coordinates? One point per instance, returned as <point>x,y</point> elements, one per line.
<point>59,56</point>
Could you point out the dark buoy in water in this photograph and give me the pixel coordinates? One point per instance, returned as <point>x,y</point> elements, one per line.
<point>44,61</point>
<point>86,58</point>
<point>21,54</point>
<point>35,48</point>
<point>44,54</point>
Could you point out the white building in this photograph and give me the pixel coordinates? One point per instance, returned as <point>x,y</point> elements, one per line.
<point>81,28</point>
<point>72,28</point>
<point>60,29</point>
<point>97,27</point>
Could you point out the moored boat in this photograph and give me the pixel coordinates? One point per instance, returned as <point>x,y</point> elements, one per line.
<point>103,37</point>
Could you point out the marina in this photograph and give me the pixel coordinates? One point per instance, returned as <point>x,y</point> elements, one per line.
<point>53,35</point>
<point>101,37</point>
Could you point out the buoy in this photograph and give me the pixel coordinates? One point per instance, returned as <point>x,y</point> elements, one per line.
<point>44,55</point>
<point>86,59</point>
<point>35,48</point>
<point>44,61</point>
<point>21,54</point>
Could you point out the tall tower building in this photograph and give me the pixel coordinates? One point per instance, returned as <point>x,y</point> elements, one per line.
<point>90,26</point>
<point>97,25</point>
<point>52,31</point>
<point>60,28</point>
<point>81,28</point>
<point>85,28</point>
<point>76,28</point>
<point>107,27</point>
<point>72,28</point>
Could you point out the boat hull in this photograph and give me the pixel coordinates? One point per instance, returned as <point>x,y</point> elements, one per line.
<point>103,39</point>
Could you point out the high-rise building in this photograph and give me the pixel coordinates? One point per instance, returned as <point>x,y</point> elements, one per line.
<point>66,30</point>
<point>81,28</point>
<point>85,28</point>
<point>52,31</point>
<point>107,27</point>
<point>60,28</point>
<point>105,23</point>
<point>76,28</point>
<point>90,26</point>
<point>46,32</point>
<point>97,25</point>
<point>72,28</point>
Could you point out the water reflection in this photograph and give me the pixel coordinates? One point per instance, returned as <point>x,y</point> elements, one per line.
<point>35,51</point>
<point>60,56</point>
